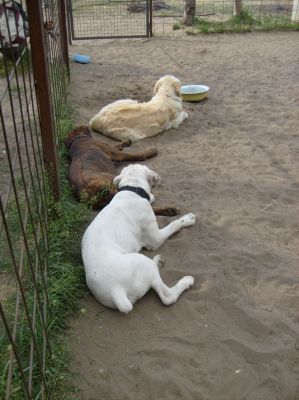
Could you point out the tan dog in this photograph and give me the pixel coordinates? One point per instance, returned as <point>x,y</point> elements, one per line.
<point>130,120</point>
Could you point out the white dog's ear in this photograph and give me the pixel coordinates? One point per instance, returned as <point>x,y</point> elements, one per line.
<point>157,86</point>
<point>153,177</point>
<point>116,180</point>
<point>177,88</point>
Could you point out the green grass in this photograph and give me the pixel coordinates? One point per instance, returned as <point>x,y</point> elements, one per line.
<point>66,274</point>
<point>24,63</point>
<point>2,67</point>
<point>177,25</point>
<point>65,286</point>
<point>66,282</point>
<point>245,22</point>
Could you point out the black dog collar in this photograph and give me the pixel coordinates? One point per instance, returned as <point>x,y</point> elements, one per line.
<point>138,190</point>
<point>77,138</point>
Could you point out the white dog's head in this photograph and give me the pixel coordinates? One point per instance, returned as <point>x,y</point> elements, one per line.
<point>168,84</point>
<point>139,176</point>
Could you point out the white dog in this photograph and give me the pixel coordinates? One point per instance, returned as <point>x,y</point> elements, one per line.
<point>116,273</point>
<point>128,119</point>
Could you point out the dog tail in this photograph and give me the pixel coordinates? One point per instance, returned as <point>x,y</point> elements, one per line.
<point>121,301</point>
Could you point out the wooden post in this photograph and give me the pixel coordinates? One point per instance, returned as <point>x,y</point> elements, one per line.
<point>43,92</point>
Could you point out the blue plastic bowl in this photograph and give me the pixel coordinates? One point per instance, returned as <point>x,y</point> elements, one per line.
<point>81,58</point>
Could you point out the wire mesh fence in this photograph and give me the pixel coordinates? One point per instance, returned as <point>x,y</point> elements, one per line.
<point>168,20</point>
<point>108,18</point>
<point>55,21</point>
<point>25,352</point>
<point>133,18</point>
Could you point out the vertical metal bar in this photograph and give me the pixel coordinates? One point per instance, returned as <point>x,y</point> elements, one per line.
<point>63,35</point>
<point>71,18</point>
<point>147,21</point>
<point>45,348</point>
<point>13,345</point>
<point>17,314</point>
<point>42,86</point>
<point>69,21</point>
<point>150,16</point>
<point>38,150</point>
<point>34,314</point>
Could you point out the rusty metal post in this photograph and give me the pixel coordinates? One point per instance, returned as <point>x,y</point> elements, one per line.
<point>63,35</point>
<point>43,92</point>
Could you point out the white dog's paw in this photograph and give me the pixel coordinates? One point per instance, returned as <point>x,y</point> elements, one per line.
<point>188,219</point>
<point>187,282</point>
<point>152,198</point>
<point>185,115</point>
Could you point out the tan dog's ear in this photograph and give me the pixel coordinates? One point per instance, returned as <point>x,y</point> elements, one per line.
<point>177,88</point>
<point>157,86</point>
<point>116,180</point>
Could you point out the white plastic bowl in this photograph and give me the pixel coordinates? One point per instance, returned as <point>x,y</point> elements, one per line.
<point>194,92</point>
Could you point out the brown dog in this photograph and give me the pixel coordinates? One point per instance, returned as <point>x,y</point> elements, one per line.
<point>92,169</point>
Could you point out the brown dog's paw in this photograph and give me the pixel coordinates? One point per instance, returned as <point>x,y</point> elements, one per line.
<point>166,211</point>
<point>126,143</point>
<point>150,152</point>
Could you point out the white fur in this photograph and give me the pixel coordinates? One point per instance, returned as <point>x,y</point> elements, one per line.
<point>128,119</point>
<point>116,273</point>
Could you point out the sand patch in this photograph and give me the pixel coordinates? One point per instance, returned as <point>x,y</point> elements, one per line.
<point>234,163</point>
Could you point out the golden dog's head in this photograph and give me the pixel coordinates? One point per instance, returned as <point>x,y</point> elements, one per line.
<point>168,84</point>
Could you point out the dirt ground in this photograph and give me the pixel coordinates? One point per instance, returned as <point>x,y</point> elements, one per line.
<point>234,163</point>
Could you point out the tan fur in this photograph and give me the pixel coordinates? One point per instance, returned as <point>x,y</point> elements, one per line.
<point>130,120</point>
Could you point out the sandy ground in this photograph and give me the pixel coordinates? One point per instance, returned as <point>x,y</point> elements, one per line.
<point>234,163</point>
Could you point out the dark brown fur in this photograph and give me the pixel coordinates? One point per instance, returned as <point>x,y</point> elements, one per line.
<point>92,169</point>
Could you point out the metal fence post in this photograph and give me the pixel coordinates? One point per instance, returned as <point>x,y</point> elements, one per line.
<point>70,21</point>
<point>63,35</point>
<point>43,92</point>
<point>149,5</point>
